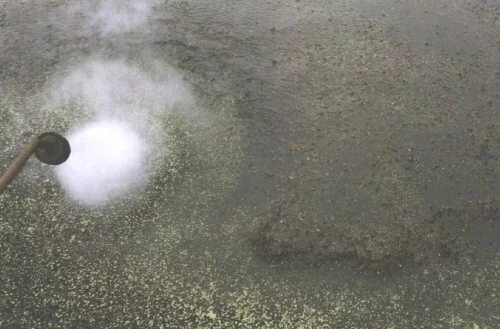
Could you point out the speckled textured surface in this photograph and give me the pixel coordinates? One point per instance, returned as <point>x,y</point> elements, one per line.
<point>342,170</point>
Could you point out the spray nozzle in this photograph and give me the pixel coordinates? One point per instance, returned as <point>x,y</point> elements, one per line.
<point>50,148</point>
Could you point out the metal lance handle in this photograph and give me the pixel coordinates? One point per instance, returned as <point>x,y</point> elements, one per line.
<point>50,148</point>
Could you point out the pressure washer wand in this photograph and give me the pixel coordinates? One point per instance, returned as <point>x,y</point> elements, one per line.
<point>18,163</point>
<point>50,148</point>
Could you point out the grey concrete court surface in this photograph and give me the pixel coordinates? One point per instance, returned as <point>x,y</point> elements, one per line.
<point>329,164</point>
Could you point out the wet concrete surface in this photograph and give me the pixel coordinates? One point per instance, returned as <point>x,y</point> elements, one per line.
<point>341,171</point>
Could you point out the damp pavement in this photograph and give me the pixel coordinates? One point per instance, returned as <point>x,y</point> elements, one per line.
<point>346,174</point>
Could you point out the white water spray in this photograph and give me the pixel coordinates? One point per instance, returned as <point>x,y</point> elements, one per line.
<point>116,109</point>
<point>107,160</point>
<point>111,17</point>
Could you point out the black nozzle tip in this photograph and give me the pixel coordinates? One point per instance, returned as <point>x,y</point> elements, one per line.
<point>52,148</point>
